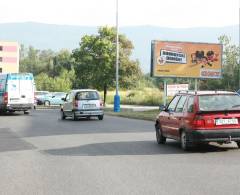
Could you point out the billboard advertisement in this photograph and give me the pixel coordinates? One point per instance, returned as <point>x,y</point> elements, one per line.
<point>186,59</point>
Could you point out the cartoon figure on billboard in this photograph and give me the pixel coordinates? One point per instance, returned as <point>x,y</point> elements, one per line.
<point>199,58</point>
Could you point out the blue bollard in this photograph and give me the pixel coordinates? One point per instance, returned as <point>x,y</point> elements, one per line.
<point>116,103</point>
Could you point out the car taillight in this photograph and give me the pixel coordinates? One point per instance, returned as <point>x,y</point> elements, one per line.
<point>101,103</point>
<point>35,98</point>
<point>209,122</point>
<point>198,122</point>
<point>5,98</point>
<point>203,121</point>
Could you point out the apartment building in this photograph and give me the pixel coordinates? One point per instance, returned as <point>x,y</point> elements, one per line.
<point>9,57</point>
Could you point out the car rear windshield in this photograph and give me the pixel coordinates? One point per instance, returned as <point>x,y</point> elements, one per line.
<point>87,95</point>
<point>41,93</point>
<point>219,102</point>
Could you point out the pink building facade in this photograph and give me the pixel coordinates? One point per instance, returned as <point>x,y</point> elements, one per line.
<point>9,57</point>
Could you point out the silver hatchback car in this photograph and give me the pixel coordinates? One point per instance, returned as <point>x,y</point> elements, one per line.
<point>82,103</point>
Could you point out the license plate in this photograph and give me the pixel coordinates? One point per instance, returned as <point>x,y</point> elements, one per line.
<point>228,121</point>
<point>87,106</point>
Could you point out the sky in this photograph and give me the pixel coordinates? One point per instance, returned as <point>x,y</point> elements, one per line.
<point>164,13</point>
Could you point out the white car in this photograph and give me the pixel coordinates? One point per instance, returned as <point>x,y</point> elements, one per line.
<point>82,103</point>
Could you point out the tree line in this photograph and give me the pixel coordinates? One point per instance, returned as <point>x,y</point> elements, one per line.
<point>92,65</point>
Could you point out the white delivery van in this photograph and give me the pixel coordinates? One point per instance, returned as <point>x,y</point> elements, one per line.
<point>17,92</point>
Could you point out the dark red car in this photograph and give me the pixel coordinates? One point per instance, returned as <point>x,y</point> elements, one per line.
<point>200,117</point>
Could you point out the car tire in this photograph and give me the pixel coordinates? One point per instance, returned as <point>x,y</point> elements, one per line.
<point>26,112</point>
<point>63,116</point>
<point>46,103</point>
<point>159,136</point>
<point>185,145</point>
<point>100,117</point>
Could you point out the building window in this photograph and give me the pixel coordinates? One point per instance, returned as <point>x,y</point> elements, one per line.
<point>0,70</point>
<point>1,48</point>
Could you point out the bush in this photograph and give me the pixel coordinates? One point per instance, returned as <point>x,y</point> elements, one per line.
<point>146,96</point>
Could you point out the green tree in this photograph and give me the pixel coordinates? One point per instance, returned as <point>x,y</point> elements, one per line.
<point>36,61</point>
<point>63,82</point>
<point>230,68</point>
<point>95,61</point>
<point>62,61</point>
<point>231,65</point>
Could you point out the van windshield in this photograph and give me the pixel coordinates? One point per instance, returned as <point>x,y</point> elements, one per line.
<point>87,95</point>
<point>219,102</point>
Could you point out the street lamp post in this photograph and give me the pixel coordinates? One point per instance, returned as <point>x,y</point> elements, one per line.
<point>117,97</point>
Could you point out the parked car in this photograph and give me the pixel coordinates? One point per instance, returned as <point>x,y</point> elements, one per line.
<point>49,98</point>
<point>54,98</point>
<point>41,96</point>
<point>82,103</point>
<point>238,92</point>
<point>200,117</point>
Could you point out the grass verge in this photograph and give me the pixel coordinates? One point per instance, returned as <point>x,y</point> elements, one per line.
<point>149,115</point>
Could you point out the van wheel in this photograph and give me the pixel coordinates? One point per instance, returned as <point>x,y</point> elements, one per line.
<point>46,103</point>
<point>63,116</point>
<point>100,117</point>
<point>185,145</point>
<point>160,138</point>
<point>26,112</point>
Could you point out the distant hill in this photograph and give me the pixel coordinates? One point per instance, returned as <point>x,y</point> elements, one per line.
<point>56,37</point>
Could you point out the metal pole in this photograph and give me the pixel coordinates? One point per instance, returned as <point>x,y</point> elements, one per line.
<point>117,48</point>
<point>117,97</point>
<point>196,84</point>
<point>165,92</point>
<point>239,48</point>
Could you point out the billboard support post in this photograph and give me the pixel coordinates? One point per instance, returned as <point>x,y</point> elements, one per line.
<point>165,92</point>
<point>196,84</point>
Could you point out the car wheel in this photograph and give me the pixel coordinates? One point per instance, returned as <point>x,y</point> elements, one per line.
<point>184,141</point>
<point>26,112</point>
<point>159,136</point>
<point>63,116</point>
<point>100,117</point>
<point>238,144</point>
<point>46,103</point>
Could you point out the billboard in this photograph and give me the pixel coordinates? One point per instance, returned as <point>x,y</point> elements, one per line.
<point>172,89</point>
<point>186,59</point>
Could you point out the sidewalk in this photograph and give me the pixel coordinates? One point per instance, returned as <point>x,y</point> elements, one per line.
<point>135,107</point>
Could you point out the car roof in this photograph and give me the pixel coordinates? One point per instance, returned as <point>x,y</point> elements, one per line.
<point>43,91</point>
<point>205,92</point>
<point>79,90</point>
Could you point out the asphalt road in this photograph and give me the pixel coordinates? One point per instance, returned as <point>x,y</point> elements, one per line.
<point>40,154</point>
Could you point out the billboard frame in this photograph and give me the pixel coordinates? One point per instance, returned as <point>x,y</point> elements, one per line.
<point>153,57</point>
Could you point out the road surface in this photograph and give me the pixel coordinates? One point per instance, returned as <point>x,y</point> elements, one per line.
<point>40,154</point>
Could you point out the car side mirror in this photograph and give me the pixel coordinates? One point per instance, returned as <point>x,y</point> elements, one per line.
<point>64,99</point>
<point>162,108</point>
<point>53,96</point>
